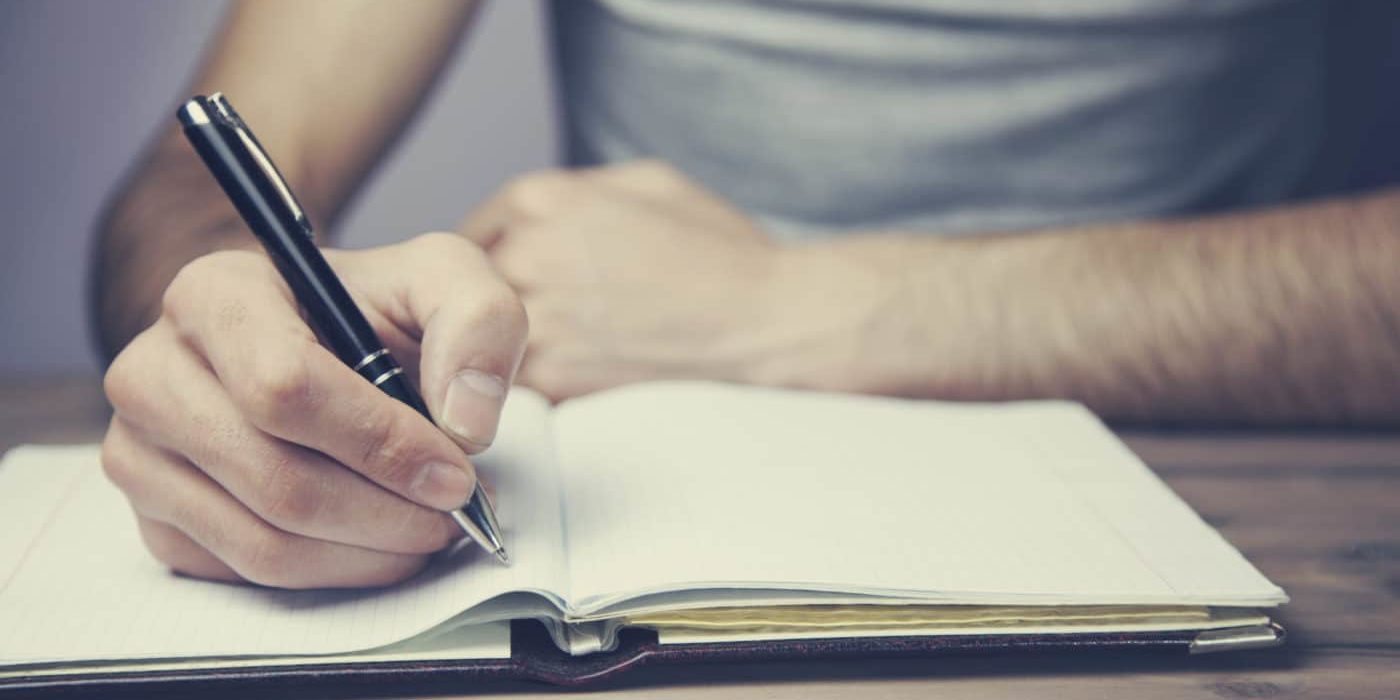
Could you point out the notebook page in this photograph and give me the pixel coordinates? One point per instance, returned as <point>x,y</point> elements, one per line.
<point>85,588</point>
<point>693,485</point>
<point>1190,556</point>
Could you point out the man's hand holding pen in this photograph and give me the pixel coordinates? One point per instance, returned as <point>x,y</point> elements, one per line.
<point>250,452</point>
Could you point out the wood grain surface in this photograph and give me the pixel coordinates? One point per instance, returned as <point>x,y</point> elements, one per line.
<point>1318,513</point>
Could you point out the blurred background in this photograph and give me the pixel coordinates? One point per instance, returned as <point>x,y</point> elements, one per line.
<point>84,84</point>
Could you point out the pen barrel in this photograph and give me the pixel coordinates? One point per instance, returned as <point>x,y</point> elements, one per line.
<point>291,245</point>
<point>329,307</point>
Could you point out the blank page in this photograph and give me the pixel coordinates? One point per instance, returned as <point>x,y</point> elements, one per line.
<point>694,485</point>
<point>80,585</point>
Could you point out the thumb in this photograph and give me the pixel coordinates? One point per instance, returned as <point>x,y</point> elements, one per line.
<point>472,329</point>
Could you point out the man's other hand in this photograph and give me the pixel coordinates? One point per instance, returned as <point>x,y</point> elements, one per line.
<point>629,272</point>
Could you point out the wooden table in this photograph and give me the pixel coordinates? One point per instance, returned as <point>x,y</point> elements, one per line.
<point>1319,514</point>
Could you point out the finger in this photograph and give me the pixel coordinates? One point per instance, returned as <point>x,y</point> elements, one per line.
<point>526,198</point>
<point>289,386</point>
<point>183,555</point>
<point>162,487</point>
<point>183,408</point>
<point>473,329</point>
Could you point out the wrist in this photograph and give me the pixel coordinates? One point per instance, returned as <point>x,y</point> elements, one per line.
<point>828,316</point>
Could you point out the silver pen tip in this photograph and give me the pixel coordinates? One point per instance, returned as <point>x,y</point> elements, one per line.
<point>502,556</point>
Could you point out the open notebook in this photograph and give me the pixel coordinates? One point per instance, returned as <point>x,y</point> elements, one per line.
<point>707,512</point>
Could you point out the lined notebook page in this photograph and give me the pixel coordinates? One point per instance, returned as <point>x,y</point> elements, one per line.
<point>78,583</point>
<point>691,485</point>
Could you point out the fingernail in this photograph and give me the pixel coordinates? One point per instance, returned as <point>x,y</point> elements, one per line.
<point>442,486</point>
<point>473,406</point>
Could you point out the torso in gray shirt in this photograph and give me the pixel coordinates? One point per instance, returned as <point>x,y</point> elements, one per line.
<point>951,116</point>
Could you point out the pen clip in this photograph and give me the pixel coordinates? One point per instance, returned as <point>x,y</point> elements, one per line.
<point>230,119</point>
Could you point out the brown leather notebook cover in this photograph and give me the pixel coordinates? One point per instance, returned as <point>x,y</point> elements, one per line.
<point>534,657</point>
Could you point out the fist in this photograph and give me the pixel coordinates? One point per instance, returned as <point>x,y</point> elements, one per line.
<point>631,272</point>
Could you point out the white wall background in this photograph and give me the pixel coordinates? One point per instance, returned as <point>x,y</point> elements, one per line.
<point>85,83</point>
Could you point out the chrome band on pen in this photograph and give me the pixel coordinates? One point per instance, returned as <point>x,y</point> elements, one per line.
<point>385,377</point>
<point>378,366</point>
<point>381,352</point>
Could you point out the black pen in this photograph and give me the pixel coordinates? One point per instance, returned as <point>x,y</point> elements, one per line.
<point>263,199</point>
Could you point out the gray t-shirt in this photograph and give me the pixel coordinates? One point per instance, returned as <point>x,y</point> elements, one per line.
<point>951,116</point>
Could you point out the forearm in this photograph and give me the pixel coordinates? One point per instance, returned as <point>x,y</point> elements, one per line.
<point>1279,317</point>
<point>328,85</point>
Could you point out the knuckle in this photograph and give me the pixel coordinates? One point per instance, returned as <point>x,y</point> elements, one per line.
<point>442,242</point>
<point>541,193</point>
<point>164,550</point>
<point>268,559</point>
<point>166,547</point>
<point>447,249</point>
<point>121,383</point>
<point>290,498</point>
<point>116,465</point>
<point>193,278</point>
<point>185,282</point>
<point>279,390</point>
<point>128,384</point>
<point>388,448</point>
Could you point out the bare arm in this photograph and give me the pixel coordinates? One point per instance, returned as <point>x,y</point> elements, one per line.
<point>1281,316</point>
<point>364,65</point>
<point>1286,316</point>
